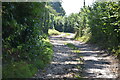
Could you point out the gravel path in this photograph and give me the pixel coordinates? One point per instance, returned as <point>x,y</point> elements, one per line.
<point>89,63</point>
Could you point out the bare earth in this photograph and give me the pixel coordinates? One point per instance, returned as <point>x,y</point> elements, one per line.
<point>89,63</point>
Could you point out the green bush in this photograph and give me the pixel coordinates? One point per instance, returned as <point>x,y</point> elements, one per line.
<point>39,63</point>
<point>42,54</point>
<point>18,70</point>
<point>99,24</point>
<point>25,31</point>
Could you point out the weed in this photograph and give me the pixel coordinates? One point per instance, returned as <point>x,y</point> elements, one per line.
<point>71,45</point>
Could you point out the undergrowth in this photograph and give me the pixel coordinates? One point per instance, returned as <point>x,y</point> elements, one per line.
<point>25,44</point>
<point>28,64</point>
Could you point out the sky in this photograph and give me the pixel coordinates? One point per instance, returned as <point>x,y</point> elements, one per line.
<point>73,6</point>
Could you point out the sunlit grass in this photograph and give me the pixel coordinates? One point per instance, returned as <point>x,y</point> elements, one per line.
<point>76,51</point>
<point>83,38</point>
<point>53,32</point>
<point>78,76</point>
<point>117,52</point>
<point>81,56</point>
<point>46,40</point>
<point>66,34</point>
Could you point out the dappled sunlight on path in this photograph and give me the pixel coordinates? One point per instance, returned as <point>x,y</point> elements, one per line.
<point>97,63</point>
<point>64,63</point>
<point>90,62</point>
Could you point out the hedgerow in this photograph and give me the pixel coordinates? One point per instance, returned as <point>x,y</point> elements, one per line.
<point>24,34</point>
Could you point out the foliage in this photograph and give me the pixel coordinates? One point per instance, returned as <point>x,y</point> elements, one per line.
<point>99,23</point>
<point>65,24</point>
<point>53,32</point>
<point>103,21</point>
<point>59,23</point>
<point>58,7</point>
<point>65,34</point>
<point>57,13</point>
<point>84,38</point>
<point>18,70</point>
<point>25,34</point>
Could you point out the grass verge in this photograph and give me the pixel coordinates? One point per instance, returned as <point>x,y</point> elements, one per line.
<point>53,32</point>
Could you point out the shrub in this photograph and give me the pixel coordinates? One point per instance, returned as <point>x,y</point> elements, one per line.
<point>41,54</point>
<point>100,25</point>
<point>23,33</point>
<point>39,63</point>
<point>18,70</point>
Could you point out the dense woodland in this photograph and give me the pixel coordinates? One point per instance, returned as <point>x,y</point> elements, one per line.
<point>25,43</point>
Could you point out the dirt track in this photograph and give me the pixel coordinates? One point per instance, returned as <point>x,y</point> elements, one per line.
<point>67,64</point>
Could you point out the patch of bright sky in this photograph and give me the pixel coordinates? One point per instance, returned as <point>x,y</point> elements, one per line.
<point>73,6</point>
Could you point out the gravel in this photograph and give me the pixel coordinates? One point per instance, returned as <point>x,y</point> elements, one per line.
<point>66,64</point>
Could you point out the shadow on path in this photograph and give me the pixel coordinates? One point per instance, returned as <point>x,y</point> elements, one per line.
<point>67,64</point>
